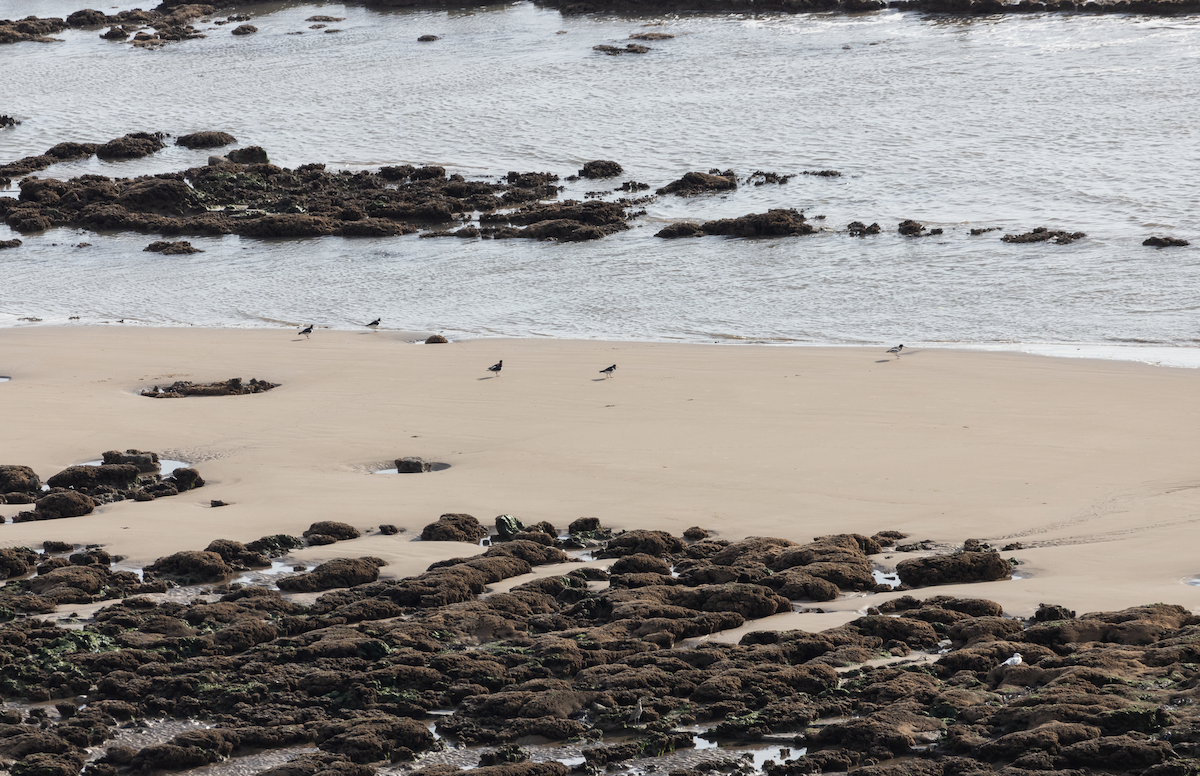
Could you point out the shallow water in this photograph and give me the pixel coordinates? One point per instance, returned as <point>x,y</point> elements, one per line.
<point>1068,121</point>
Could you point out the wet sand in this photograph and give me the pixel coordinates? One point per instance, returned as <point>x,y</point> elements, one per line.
<point>1090,465</point>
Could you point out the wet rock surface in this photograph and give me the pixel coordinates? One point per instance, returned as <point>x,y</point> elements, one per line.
<point>242,193</point>
<point>234,386</point>
<point>353,675</point>
<point>178,248</point>
<point>1042,234</point>
<point>1165,242</point>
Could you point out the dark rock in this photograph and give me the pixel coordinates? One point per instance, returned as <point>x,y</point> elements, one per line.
<point>698,182</point>
<point>436,339</point>
<point>132,146</point>
<point>601,169</point>
<point>1042,234</point>
<point>859,229</point>
<point>508,527</point>
<point>62,504</point>
<point>340,572</point>
<point>454,528</point>
<point>245,29</point>
<point>339,531</point>
<point>9,244</point>
<point>954,569</point>
<point>413,465</point>
<point>205,140</point>
<point>1165,242</point>
<point>171,248</point>
<point>770,224</point>
<point>19,479</point>
<point>681,229</point>
<point>427,38</point>
<point>387,529</point>
<point>248,155</point>
<point>1052,612</point>
<point>192,567</point>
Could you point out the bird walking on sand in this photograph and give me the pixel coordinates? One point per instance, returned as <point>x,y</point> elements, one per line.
<point>374,324</point>
<point>1015,660</point>
<point>896,350</point>
<point>608,371</point>
<point>307,331</point>
<point>496,367</point>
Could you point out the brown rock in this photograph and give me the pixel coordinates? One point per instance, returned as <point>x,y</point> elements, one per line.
<point>454,528</point>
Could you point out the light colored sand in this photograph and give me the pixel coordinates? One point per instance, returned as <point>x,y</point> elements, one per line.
<point>1092,465</point>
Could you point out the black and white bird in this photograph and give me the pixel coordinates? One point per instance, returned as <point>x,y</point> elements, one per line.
<point>307,331</point>
<point>496,367</point>
<point>374,324</point>
<point>608,371</point>
<point>896,350</point>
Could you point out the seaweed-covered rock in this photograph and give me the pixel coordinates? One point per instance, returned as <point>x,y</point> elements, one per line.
<point>694,183</point>
<point>339,531</point>
<point>61,504</point>
<point>191,567</point>
<point>87,477</point>
<point>773,223</point>
<point>340,572</point>
<point>19,479</point>
<point>210,139</point>
<point>958,568</point>
<point>454,527</point>
<point>131,146</point>
<point>601,169</point>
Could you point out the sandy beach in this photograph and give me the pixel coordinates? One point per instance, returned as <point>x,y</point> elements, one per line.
<point>1090,465</point>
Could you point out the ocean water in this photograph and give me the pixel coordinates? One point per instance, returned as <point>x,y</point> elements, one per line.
<point>1076,122</point>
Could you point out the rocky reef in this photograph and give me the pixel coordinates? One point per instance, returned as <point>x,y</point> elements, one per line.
<point>612,662</point>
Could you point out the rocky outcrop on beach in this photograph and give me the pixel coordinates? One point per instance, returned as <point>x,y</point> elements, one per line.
<point>256,199</point>
<point>78,490</point>
<point>234,386</point>
<point>583,655</point>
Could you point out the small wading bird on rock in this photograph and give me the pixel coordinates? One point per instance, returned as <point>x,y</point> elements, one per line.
<point>306,331</point>
<point>373,324</point>
<point>896,350</point>
<point>635,716</point>
<point>608,371</point>
<point>496,367</point>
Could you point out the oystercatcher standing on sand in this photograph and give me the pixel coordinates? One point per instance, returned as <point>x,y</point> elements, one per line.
<point>896,350</point>
<point>374,324</point>
<point>496,367</point>
<point>608,371</point>
<point>306,331</point>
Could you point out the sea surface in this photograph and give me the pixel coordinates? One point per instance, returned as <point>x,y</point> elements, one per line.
<point>1067,121</point>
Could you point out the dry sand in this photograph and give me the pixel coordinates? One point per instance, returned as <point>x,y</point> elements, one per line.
<point>1092,465</point>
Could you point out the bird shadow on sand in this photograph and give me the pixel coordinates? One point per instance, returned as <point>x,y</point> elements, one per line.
<point>599,379</point>
<point>486,378</point>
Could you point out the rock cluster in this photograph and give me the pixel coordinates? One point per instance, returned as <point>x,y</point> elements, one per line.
<point>564,656</point>
<point>77,490</point>
<point>243,194</point>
